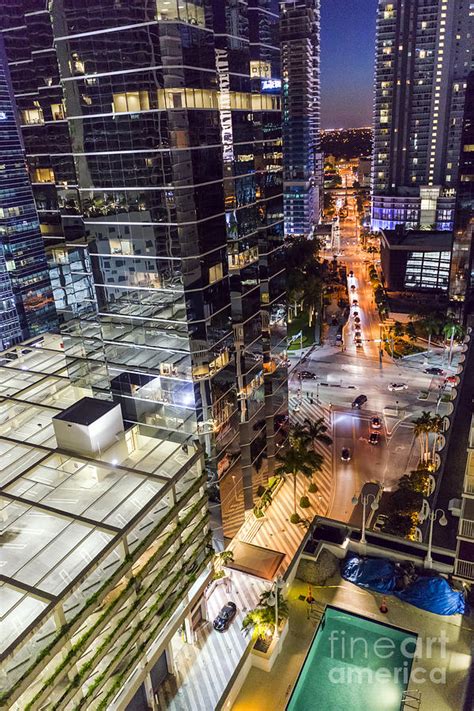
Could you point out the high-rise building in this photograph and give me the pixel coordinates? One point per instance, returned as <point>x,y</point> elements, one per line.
<point>155,151</point>
<point>461,288</point>
<point>26,298</point>
<point>302,159</point>
<point>105,542</point>
<point>423,58</point>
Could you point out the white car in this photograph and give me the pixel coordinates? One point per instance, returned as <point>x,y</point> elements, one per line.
<point>395,387</point>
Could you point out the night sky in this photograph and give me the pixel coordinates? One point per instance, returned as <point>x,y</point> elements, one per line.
<point>347,62</point>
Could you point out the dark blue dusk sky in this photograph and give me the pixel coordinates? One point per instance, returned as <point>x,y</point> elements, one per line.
<point>347,62</point>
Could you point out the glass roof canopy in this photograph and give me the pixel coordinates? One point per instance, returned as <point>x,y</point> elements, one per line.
<point>60,512</point>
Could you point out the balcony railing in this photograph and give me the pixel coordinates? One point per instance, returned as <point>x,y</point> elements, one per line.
<point>469,484</point>
<point>465,569</point>
<point>466,528</point>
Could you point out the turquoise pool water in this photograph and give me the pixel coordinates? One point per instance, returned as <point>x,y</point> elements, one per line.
<point>354,664</point>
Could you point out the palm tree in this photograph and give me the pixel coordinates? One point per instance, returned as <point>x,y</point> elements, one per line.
<point>422,427</point>
<point>299,437</point>
<point>317,431</point>
<point>293,462</point>
<point>451,330</point>
<point>431,322</point>
<point>436,426</point>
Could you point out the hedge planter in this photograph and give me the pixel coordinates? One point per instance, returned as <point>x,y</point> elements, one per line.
<point>265,660</point>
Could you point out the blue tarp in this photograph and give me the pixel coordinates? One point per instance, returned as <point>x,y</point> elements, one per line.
<point>435,595</point>
<point>373,573</point>
<point>432,593</point>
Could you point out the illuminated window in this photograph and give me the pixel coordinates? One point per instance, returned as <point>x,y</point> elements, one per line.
<point>182,10</point>
<point>57,111</point>
<point>43,175</point>
<point>215,273</point>
<point>32,116</point>
<point>131,101</point>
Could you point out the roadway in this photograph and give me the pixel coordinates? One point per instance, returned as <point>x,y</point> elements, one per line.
<point>344,372</point>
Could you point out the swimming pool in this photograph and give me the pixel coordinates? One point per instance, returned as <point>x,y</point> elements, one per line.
<point>354,664</point>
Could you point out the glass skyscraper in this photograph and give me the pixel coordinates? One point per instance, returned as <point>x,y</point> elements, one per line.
<point>423,58</point>
<point>26,298</point>
<point>155,151</point>
<point>300,40</point>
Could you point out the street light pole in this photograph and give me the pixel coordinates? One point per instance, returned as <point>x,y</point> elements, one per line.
<point>432,515</point>
<point>273,600</point>
<point>374,506</point>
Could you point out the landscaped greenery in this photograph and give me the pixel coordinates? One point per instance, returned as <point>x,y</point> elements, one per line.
<point>261,620</point>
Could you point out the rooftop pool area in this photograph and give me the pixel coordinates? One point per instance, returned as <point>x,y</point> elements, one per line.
<point>354,664</point>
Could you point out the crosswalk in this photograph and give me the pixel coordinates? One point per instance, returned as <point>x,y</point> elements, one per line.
<point>301,410</point>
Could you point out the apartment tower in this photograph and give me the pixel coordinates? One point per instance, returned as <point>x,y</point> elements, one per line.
<point>423,58</point>
<point>302,160</point>
<point>155,151</point>
<point>26,298</point>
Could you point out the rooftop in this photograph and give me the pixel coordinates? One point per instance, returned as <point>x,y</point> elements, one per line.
<point>420,240</point>
<point>86,411</point>
<point>61,513</point>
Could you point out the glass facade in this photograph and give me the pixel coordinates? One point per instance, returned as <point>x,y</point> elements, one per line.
<point>423,57</point>
<point>26,298</point>
<point>461,288</point>
<point>300,41</point>
<point>156,160</point>
<point>427,270</point>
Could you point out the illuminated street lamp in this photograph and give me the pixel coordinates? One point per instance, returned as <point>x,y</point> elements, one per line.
<point>443,521</point>
<point>272,600</point>
<point>365,500</point>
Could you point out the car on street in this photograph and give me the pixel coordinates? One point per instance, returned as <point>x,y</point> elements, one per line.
<point>376,423</point>
<point>453,379</point>
<point>225,617</point>
<point>355,302</point>
<point>353,287</point>
<point>396,387</point>
<point>357,319</point>
<point>359,401</point>
<point>355,314</point>
<point>374,438</point>
<point>346,454</point>
<point>351,273</point>
<point>307,375</point>
<point>358,344</point>
<point>380,522</point>
<point>434,371</point>
<point>357,327</point>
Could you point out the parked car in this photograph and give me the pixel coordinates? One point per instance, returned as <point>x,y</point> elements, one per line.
<point>453,379</point>
<point>346,454</point>
<point>357,319</point>
<point>359,401</point>
<point>358,344</point>
<point>225,617</point>
<point>434,371</point>
<point>379,522</point>
<point>395,387</point>
<point>376,423</point>
<point>353,287</point>
<point>374,438</point>
<point>357,327</point>
<point>306,375</point>
<point>355,302</point>
<point>338,337</point>
<point>355,314</point>
<point>351,273</point>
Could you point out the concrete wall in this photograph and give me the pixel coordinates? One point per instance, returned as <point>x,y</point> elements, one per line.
<point>93,438</point>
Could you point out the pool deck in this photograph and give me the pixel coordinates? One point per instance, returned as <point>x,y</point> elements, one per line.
<point>271,691</point>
